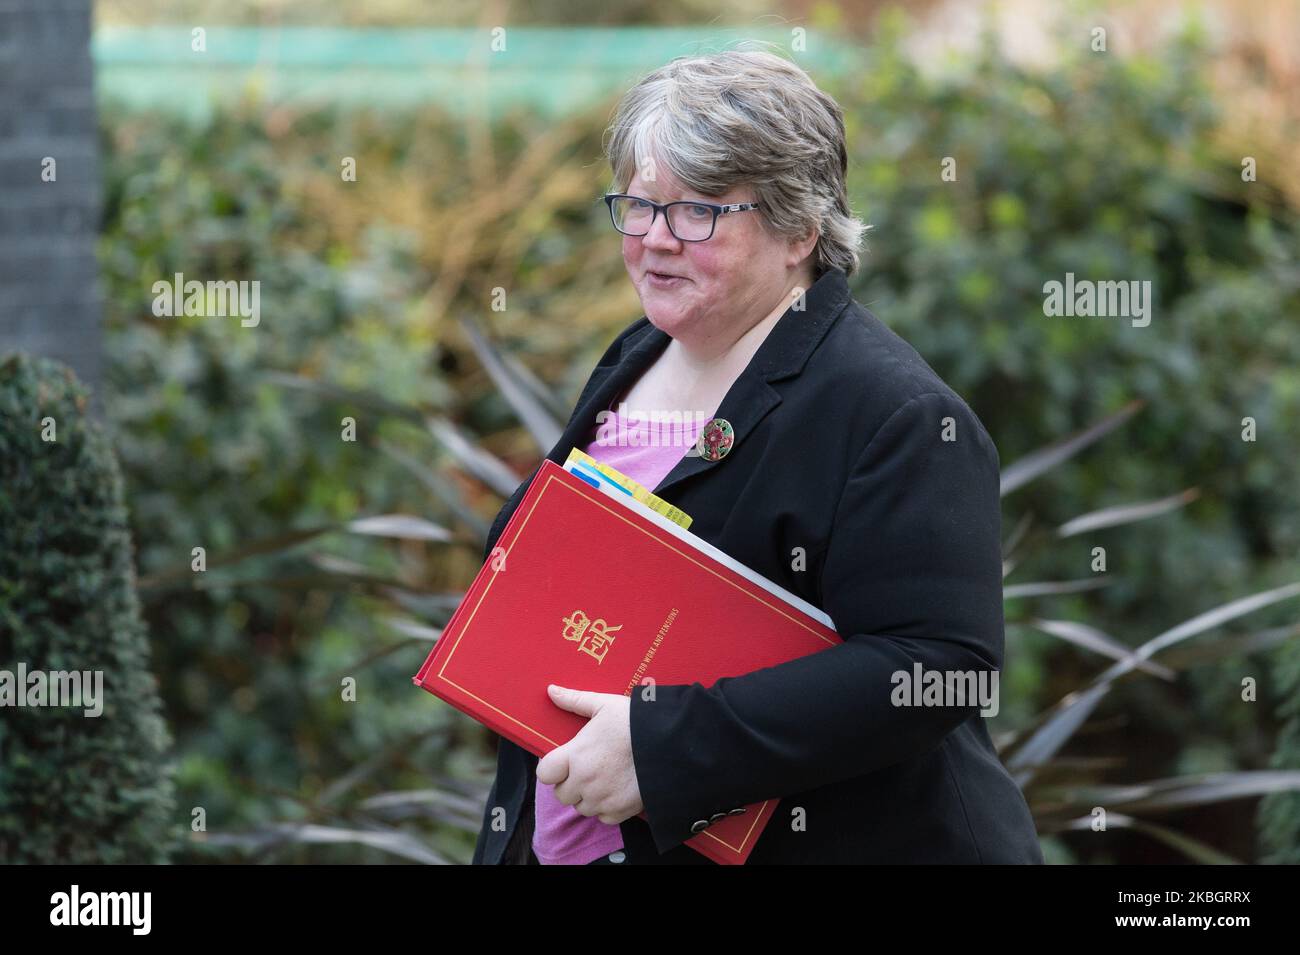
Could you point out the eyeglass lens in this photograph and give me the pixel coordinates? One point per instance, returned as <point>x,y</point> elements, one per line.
<point>687,221</point>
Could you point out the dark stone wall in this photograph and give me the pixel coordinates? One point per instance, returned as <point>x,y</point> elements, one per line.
<point>49,299</point>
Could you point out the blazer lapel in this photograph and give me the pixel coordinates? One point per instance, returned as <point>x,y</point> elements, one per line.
<point>783,354</point>
<point>744,405</point>
<point>637,354</point>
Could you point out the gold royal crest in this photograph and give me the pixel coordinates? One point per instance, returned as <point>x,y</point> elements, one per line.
<point>592,636</point>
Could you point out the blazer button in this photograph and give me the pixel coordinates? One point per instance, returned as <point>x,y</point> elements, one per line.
<point>737,811</point>
<point>716,816</point>
<point>699,825</point>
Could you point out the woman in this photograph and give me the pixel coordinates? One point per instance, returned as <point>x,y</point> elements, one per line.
<point>830,459</point>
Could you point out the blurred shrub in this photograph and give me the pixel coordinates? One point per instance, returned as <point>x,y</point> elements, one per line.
<point>360,284</point>
<point>1102,166</point>
<point>74,788</point>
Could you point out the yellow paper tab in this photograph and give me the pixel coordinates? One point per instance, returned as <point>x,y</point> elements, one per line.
<point>638,491</point>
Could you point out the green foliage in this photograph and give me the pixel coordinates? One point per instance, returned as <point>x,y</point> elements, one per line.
<point>74,788</point>
<point>1280,812</point>
<point>219,455</point>
<point>1108,166</point>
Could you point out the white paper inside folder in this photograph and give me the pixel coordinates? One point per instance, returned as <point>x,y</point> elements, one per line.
<point>624,497</point>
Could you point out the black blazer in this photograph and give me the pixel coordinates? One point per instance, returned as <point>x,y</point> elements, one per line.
<point>840,487</point>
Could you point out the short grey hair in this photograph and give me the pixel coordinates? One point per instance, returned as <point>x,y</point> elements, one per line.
<point>735,117</point>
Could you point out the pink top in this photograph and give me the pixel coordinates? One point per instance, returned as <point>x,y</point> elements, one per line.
<point>562,835</point>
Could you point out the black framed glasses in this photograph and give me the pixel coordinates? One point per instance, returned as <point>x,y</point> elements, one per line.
<point>688,220</point>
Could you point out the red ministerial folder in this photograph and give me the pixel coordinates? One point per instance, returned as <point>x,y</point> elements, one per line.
<point>591,590</point>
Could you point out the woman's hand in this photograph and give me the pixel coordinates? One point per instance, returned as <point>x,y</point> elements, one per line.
<point>593,772</point>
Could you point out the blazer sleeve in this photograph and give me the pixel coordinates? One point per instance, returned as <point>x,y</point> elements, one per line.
<point>912,575</point>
